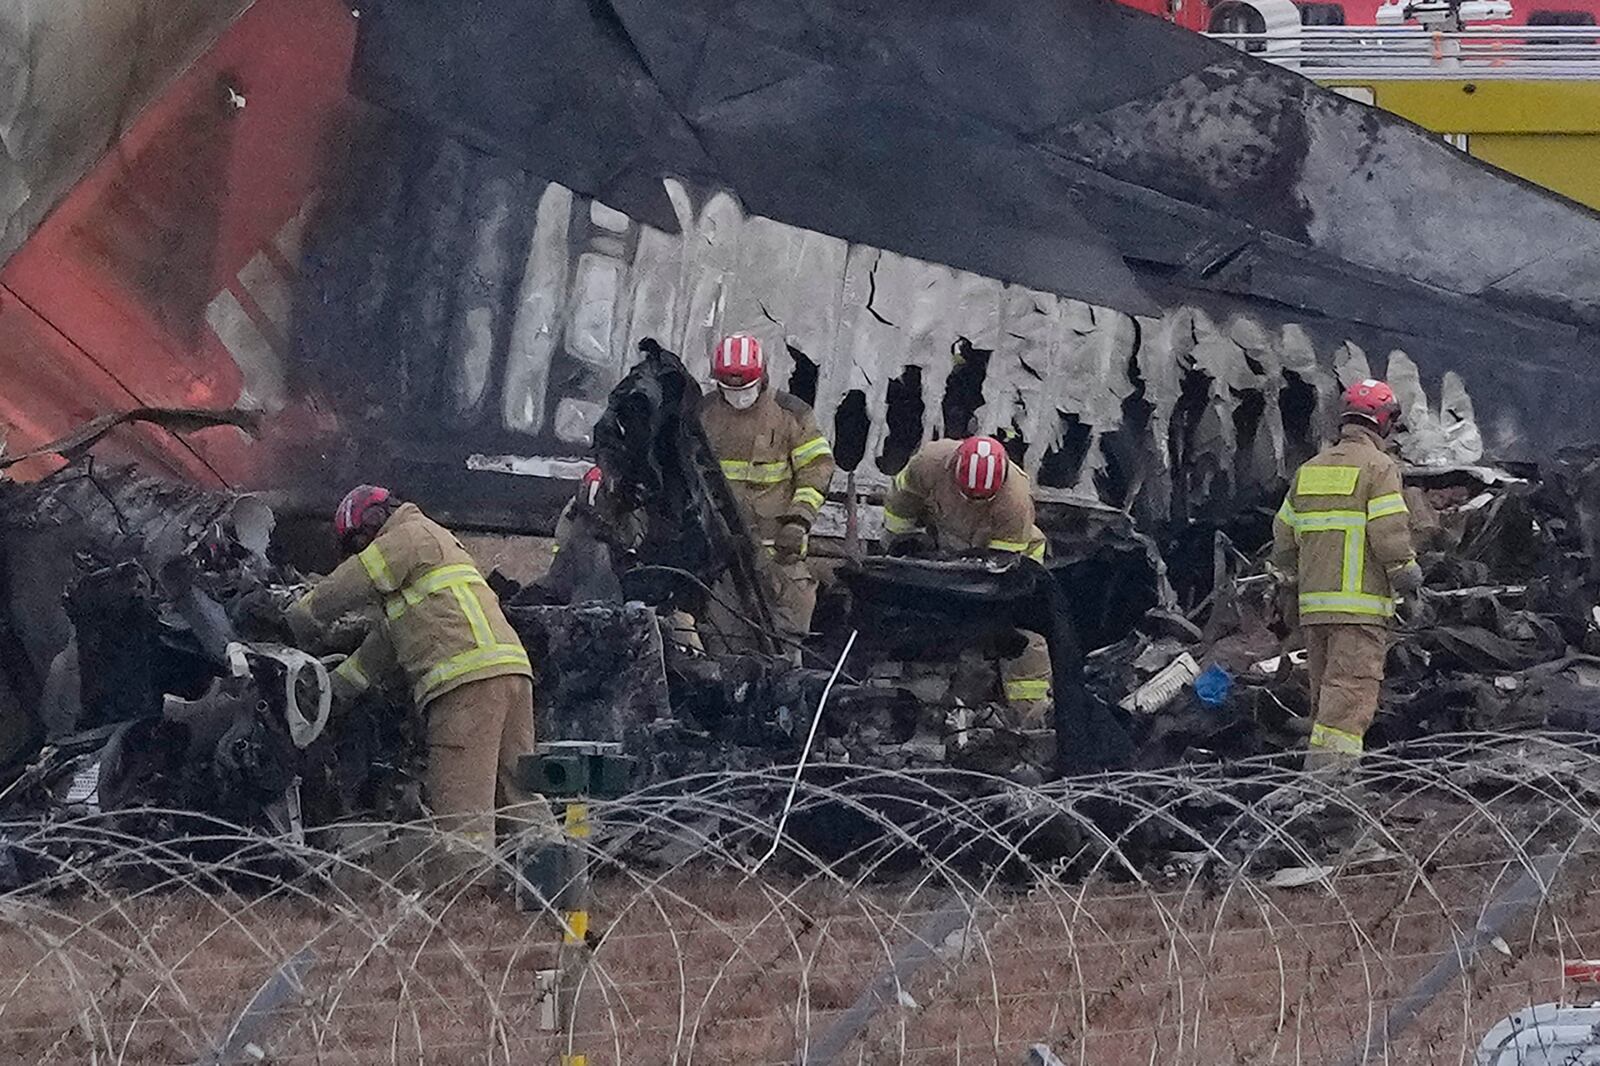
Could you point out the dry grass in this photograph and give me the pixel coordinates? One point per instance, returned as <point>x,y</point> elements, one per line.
<point>705,959</point>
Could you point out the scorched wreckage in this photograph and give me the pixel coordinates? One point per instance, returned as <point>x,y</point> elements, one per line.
<point>469,257</point>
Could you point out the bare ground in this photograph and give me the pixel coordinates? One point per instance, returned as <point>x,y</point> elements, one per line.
<point>703,963</point>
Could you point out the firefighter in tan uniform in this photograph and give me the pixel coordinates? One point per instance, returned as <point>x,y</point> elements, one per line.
<point>969,495</point>
<point>778,464</point>
<point>593,497</point>
<point>442,630</point>
<point>1342,539</point>
<point>596,507</point>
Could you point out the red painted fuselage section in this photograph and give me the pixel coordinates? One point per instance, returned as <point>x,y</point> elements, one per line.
<point>181,242</point>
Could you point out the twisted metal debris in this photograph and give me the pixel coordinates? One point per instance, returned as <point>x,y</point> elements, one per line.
<point>1223,913</point>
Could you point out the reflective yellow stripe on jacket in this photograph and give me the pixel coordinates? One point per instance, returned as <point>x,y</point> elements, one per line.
<point>459,580</point>
<point>477,659</point>
<point>1351,525</point>
<point>350,670</point>
<point>897,523</point>
<point>1383,506</point>
<point>804,455</point>
<point>1347,603</point>
<point>377,568</point>
<point>808,496</point>
<point>756,473</point>
<point>456,576</point>
<point>1033,550</point>
<point>1028,689</point>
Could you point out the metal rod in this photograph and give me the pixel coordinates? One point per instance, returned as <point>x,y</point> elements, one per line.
<point>1457,957</point>
<point>240,1042</point>
<point>805,753</point>
<point>572,963</point>
<point>950,916</point>
<point>852,519</point>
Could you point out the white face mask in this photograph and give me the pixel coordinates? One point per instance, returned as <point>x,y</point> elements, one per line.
<point>741,399</point>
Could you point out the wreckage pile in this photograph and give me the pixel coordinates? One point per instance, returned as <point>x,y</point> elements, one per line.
<point>1503,638</point>
<point>148,669</point>
<point>147,665</point>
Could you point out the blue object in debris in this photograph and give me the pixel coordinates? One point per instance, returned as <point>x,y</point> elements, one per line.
<point>1213,686</point>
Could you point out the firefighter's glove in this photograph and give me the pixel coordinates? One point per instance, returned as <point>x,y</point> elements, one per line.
<point>906,545</point>
<point>1286,590</point>
<point>1412,612</point>
<point>257,610</point>
<point>790,543</point>
<point>1407,580</point>
<point>1289,607</point>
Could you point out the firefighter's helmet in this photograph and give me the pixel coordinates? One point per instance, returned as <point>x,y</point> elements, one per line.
<point>737,362</point>
<point>590,488</point>
<point>350,517</point>
<point>1371,400</point>
<point>980,468</point>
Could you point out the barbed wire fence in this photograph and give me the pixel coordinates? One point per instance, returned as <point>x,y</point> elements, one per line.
<point>1241,912</point>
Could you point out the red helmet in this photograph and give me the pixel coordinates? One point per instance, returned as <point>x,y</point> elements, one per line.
<point>980,467</point>
<point>1372,401</point>
<point>590,488</point>
<point>737,361</point>
<point>349,516</point>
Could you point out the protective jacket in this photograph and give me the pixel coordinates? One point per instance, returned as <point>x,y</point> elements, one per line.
<point>442,624</point>
<point>1342,530</point>
<point>775,458</point>
<point>925,495</point>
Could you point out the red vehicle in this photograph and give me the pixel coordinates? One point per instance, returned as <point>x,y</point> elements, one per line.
<point>1203,16</point>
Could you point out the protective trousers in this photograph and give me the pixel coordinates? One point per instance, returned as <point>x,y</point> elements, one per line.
<point>475,735</point>
<point>791,590</point>
<point>1025,679</point>
<point>1346,666</point>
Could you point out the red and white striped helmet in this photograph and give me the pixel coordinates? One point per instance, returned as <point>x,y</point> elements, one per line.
<point>590,487</point>
<point>351,514</point>
<point>737,361</point>
<point>980,467</point>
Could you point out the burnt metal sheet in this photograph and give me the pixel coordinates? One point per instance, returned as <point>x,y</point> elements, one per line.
<point>1078,149</point>
<point>975,135</point>
<point>450,304</point>
<point>1252,142</point>
<point>560,93</point>
<point>621,97</point>
<point>906,606</point>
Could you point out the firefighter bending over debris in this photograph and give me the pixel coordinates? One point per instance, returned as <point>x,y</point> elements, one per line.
<point>778,464</point>
<point>443,630</point>
<point>1343,539</point>
<point>969,495</point>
